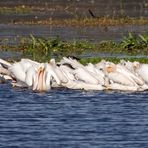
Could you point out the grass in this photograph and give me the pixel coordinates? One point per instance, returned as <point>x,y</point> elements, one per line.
<point>22,9</point>
<point>111,59</point>
<point>75,20</point>
<point>42,49</point>
<point>102,21</point>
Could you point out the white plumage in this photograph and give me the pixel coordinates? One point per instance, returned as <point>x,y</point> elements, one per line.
<point>125,76</point>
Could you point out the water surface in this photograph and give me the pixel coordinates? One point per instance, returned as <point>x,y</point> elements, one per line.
<point>93,34</point>
<point>72,119</point>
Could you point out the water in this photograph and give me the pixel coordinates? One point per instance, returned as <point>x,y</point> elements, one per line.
<point>13,33</point>
<point>67,9</point>
<point>63,118</point>
<point>10,54</point>
<point>78,8</point>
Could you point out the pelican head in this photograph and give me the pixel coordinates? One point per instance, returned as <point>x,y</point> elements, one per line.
<point>136,65</point>
<point>40,81</point>
<point>41,69</point>
<point>110,67</point>
<point>52,61</point>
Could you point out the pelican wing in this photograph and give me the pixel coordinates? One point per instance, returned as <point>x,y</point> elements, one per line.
<point>51,72</point>
<point>30,76</point>
<point>5,63</point>
<point>67,72</point>
<point>117,77</point>
<point>4,71</point>
<point>83,75</point>
<point>17,72</point>
<point>132,76</point>
<point>74,63</point>
<point>116,86</point>
<point>82,85</point>
<point>143,72</point>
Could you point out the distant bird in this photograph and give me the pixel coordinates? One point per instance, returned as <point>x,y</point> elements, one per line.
<point>91,13</point>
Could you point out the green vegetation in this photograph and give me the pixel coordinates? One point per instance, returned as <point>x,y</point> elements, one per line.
<point>133,42</point>
<point>112,59</point>
<point>75,20</point>
<point>17,9</point>
<point>102,21</point>
<point>42,49</point>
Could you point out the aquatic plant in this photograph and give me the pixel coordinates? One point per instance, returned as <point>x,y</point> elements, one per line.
<point>42,49</point>
<point>144,39</point>
<point>111,59</point>
<point>129,42</point>
<point>135,43</point>
<point>102,21</point>
<point>22,9</point>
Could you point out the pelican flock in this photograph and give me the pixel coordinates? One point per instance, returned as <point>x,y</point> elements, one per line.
<point>70,73</point>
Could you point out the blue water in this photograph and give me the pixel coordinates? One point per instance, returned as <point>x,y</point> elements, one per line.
<point>63,118</point>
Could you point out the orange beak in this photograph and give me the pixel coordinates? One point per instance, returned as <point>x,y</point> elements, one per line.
<point>109,69</point>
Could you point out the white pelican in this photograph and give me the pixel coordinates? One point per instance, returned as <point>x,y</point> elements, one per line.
<point>28,73</point>
<point>74,63</point>
<point>118,80</point>
<point>80,72</point>
<point>137,74</point>
<point>126,76</point>
<point>131,75</point>
<point>4,72</point>
<point>58,71</point>
<point>18,69</point>
<point>67,71</point>
<point>82,85</point>
<point>142,70</point>
<point>42,78</point>
<point>117,86</point>
<point>5,63</point>
<point>78,76</point>
<point>96,73</point>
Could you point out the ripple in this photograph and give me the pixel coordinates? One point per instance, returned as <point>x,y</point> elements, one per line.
<point>72,118</point>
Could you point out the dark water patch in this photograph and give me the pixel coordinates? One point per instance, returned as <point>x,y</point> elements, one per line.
<point>13,33</point>
<point>132,8</point>
<point>112,55</point>
<point>72,118</point>
<point>10,54</point>
<point>7,18</point>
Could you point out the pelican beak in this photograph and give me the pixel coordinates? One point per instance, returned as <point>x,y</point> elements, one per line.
<point>109,69</point>
<point>136,65</point>
<point>13,84</point>
<point>41,69</point>
<point>39,84</point>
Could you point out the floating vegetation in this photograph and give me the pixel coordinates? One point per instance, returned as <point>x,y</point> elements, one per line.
<point>42,49</point>
<point>22,9</point>
<point>102,21</point>
<point>135,43</point>
<point>112,59</point>
<point>73,13</point>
